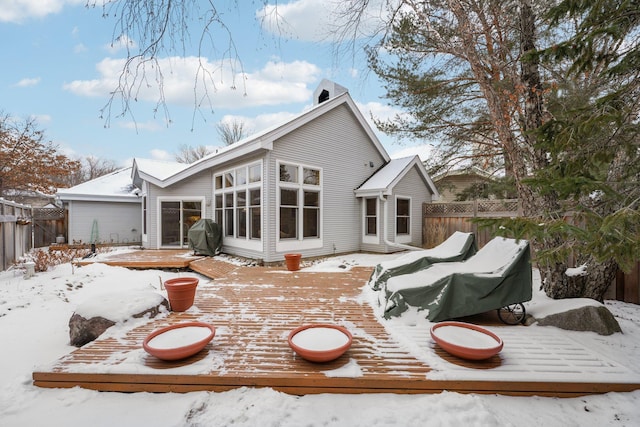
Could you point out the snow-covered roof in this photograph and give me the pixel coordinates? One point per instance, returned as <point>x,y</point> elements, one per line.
<point>155,170</point>
<point>383,181</point>
<point>115,186</point>
<point>261,141</point>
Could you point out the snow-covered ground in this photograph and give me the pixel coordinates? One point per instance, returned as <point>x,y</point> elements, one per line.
<point>34,315</point>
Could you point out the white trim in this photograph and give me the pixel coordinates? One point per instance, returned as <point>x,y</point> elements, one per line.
<point>368,238</point>
<point>299,243</point>
<point>180,199</point>
<point>402,238</point>
<point>246,242</point>
<point>249,244</point>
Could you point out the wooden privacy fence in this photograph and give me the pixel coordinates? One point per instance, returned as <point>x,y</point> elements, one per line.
<point>15,232</point>
<point>48,224</point>
<point>440,220</point>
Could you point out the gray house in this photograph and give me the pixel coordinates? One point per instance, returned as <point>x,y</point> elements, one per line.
<point>103,210</point>
<point>319,184</point>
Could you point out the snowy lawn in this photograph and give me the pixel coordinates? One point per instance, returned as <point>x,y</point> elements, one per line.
<point>34,314</point>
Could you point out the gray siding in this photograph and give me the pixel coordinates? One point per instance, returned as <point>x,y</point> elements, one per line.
<point>336,143</point>
<point>411,185</point>
<point>200,185</point>
<point>115,222</point>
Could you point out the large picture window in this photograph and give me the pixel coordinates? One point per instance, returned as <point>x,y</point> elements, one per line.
<point>238,201</point>
<point>299,198</point>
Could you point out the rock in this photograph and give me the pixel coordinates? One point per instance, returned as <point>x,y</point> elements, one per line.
<point>96,315</point>
<point>589,318</point>
<point>83,331</point>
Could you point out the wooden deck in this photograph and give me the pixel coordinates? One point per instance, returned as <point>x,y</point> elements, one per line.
<point>255,308</point>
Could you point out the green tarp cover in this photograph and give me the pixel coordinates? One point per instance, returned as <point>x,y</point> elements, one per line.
<point>498,275</point>
<point>458,247</point>
<point>205,237</point>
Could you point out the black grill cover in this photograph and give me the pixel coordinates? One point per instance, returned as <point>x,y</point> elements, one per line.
<point>205,237</point>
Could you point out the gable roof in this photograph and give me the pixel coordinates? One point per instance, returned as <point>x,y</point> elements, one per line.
<point>258,142</point>
<point>383,181</point>
<point>154,171</point>
<point>115,187</point>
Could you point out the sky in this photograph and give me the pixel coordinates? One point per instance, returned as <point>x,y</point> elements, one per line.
<point>35,311</point>
<point>62,59</point>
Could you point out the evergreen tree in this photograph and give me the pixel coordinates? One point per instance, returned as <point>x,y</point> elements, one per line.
<point>469,75</point>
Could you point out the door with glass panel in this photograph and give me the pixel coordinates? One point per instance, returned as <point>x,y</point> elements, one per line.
<point>176,217</point>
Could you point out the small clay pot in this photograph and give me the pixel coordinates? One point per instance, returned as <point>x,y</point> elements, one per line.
<point>292,261</point>
<point>181,292</point>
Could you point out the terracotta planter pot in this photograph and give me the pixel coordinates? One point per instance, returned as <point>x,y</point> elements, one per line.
<point>320,342</point>
<point>182,344</point>
<point>292,261</point>
<point>181,292</point>
<point>466,340</point>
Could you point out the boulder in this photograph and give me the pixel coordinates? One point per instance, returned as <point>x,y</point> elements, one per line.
<point>589,318</point>
<point>98,314</point>
<point>83,331</point>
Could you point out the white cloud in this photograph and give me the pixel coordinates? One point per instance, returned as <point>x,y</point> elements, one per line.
<point>18,11</point>
<point>28,82</point>
<point>158,154</point>
<point>79,48</point>
<point>301,19</point>
<point>148,125</point>
<point>41,118</point>
<point>318,20</point>
<point>379,111</point>
<point>223,85</point>
<point>121,43</point>
<point>424,151</point>
<point>260,122</point>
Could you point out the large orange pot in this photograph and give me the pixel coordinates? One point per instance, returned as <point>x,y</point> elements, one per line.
<point>181,292</point>
<point>292,261</point>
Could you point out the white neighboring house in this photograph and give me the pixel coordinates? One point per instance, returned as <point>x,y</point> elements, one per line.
<point>104,210</point>
<point>319,184</point>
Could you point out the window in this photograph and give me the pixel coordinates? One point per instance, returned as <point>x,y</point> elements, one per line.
<point>241,213</point>
<point>371,217</point>
<point>403,216</point>
<point>288,173</point>
<point>288,213</point>
<point>237,202</point>
<point>144,215</point>
<point>228,214</point>
<point>255,214</point>
<point>311,214</point>
<point>299,198</point>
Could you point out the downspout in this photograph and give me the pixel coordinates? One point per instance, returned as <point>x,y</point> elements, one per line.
<point>384,232</point>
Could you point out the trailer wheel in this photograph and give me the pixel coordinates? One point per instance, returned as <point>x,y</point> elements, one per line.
<point>512,314</point>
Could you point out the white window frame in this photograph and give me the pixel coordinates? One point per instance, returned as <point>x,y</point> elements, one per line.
<point>161,199</point>
<point>299,243</point>
<point>370,238</point>
<point>402,238</point>
<point>246,242</point>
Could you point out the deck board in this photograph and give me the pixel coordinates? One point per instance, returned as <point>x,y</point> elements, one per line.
<point>255,308</point>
